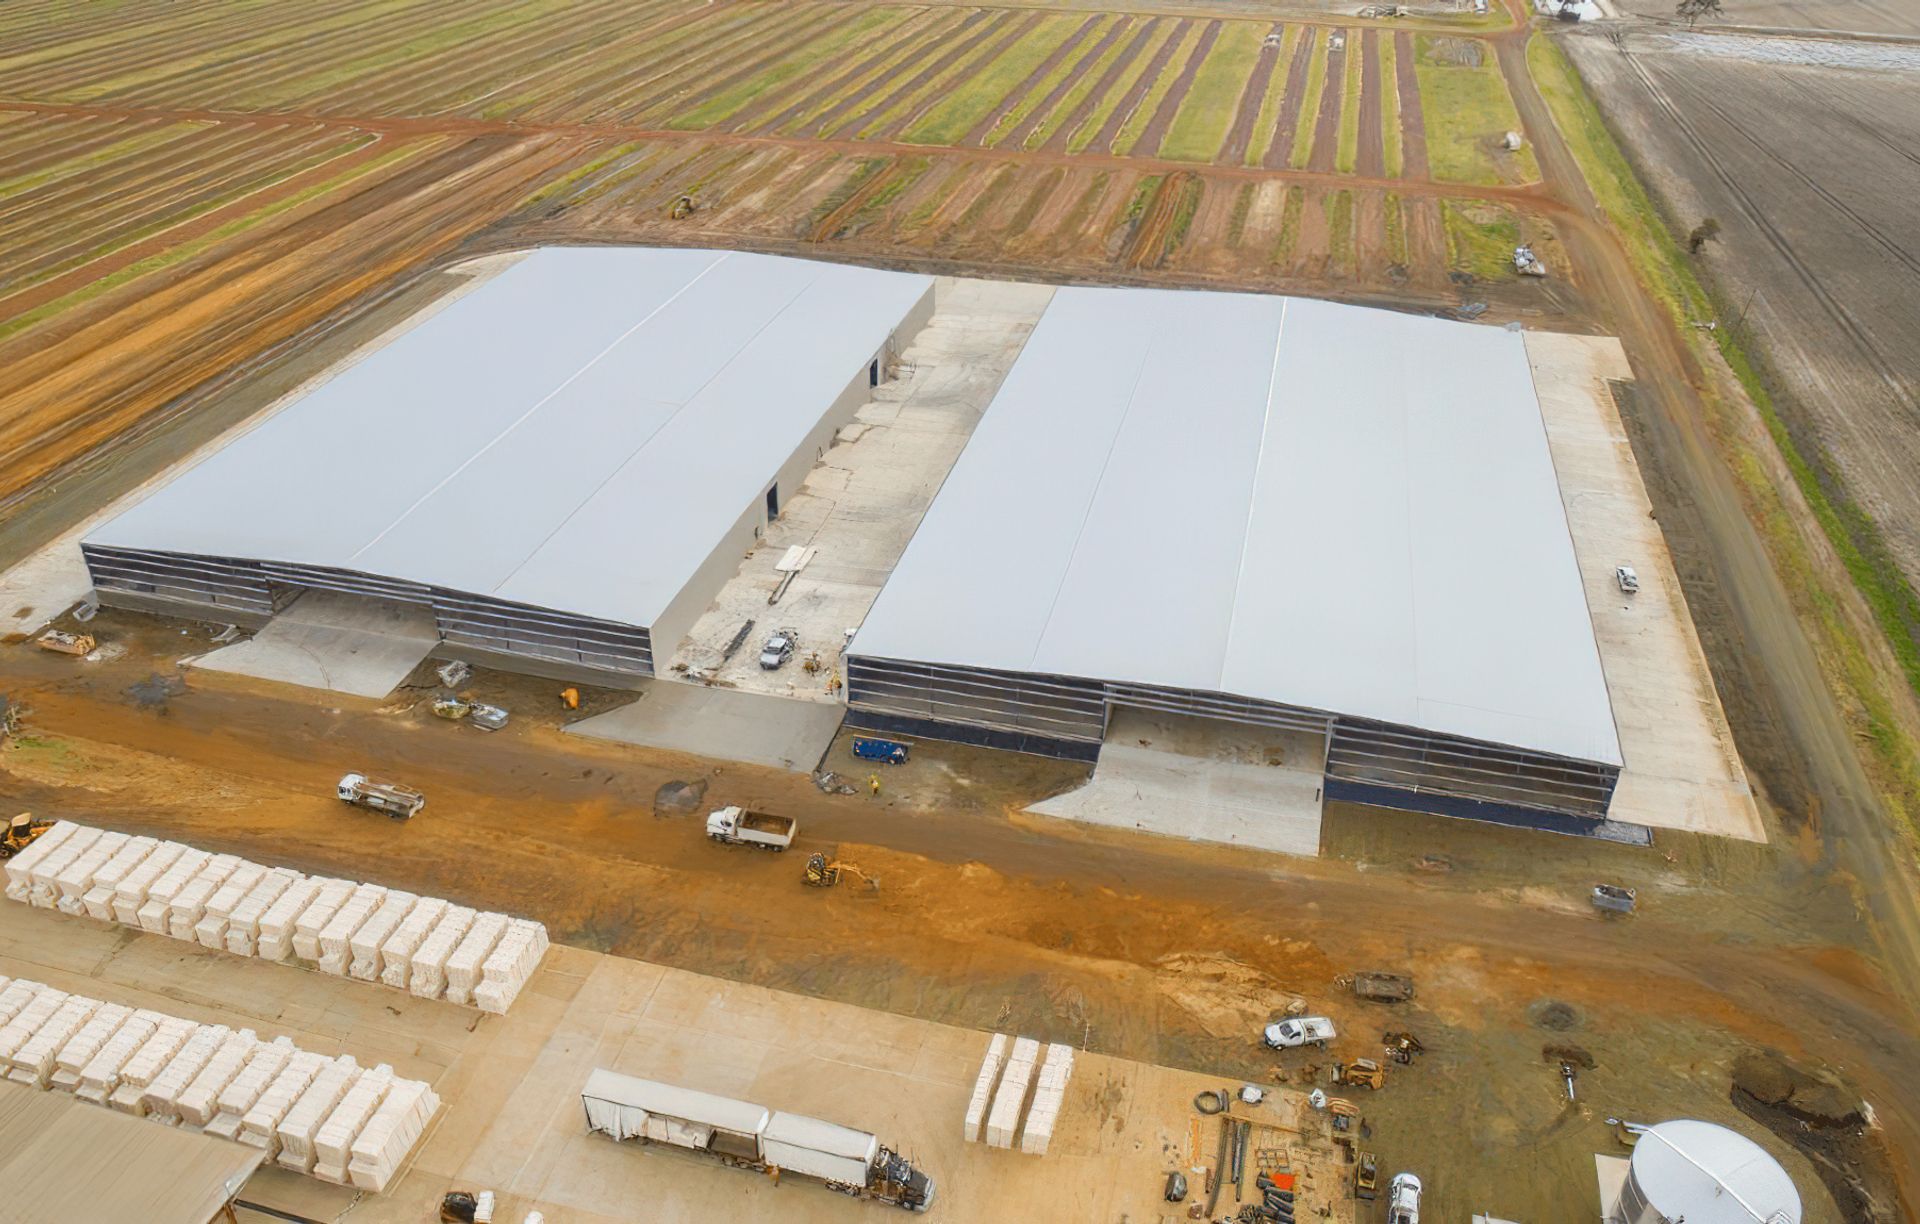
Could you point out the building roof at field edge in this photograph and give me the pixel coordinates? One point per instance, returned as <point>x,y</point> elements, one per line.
<point>63,1159</point>
<point>1328,506</point>
<point>577,433</point>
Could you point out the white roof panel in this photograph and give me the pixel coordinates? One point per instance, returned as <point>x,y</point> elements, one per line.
<point>579,433</point>
<point>1327,506</point>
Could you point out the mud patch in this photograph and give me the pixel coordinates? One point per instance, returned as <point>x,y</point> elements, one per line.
<point>155,691</point>
<point>1554,1016</point>
<point>679,798</point>
<point>1826,1122</point>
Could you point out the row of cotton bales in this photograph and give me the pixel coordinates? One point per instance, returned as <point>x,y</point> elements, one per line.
<point>424,945</point>
<point>328,1117</point>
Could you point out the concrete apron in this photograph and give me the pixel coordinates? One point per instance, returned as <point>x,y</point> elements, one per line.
<point>333,641</point>
<point>726,724</point>
<point>1205,780</point>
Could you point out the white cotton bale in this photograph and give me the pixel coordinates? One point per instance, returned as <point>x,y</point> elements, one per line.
<point>189,905</point>
<point>162,1097</point>
<point>210,931</point>
<point>396,954</point>
<point>296,1130</point>
<point>199,1101</point>
<point>463,967</point>
<point>327,900</point>
<point>366,941</point>
<point>429,976</point>
<point>101,1075</point>
<point>20,867</point>
<point>275,941</point>
<point>98,901</point>
<point>243,925</point>
<point>131,893</point>
<point>333,1140</point>
<point>45,871</point>
<point>31,1062</point>
<point>383,1143</point>
<point>336,947</point>
<point>154,911</point>
<point>86,1043</point>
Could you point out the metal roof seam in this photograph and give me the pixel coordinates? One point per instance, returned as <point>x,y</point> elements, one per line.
<point>1253,496</point>
<point>542,402</point>
<point>1086,514</point>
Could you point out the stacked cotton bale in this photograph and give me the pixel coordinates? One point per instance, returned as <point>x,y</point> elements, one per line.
<point>425,945</point>
<point>333,1141</point>
<point>98,902</point>
<point>1010,1099</point>
<point>260,1126</point>
<point>296,1131</point>
<point>15,994</point>
<point>189,905</point>
<point>152,914</point>
<point>372,934</point>
<point>20,866</point>
<point>129,1095</point>
<point>101,1075</point>
<point>264,1063</point>
<point>243,924</point>
<point>31,1062</point>
<point>131,893</point>
<point>326,903</point>
<point>45,871</point>
<point>1036,1135</point>
<point>210,931</point>
<point>509,965</point>
<point>161,1100</point>
<point>396,955</point>
<point>464,966</point>
<point>38,1007</point>
<point>983,1086</point>
<point>275,941</point>
<point>86,1043</point>
<point>76,878</point>
<point>429,975</point>
<point>201,1100</point>
<point>383,1143</point>
<point>336,947</point>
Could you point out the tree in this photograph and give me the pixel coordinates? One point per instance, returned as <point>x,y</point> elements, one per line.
<point>1702,234</point>
<point>1694,10</point>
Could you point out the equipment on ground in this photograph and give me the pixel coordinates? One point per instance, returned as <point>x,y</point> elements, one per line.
<point>1403,1200</point>
<point>885,751</point>
<point>1383,987</point>
<point>737,826</point>
<point>59,641</point>
<point>1300,1031</point>
<point>399,802</point>
<point>825,873</point>
<point>451,708</point>
<point>570,698</point>
<point>779,647</point>
<point>20,833</point>
<point>1360,1073</point>
<point>683,207</point>
<point>1628,580</point>
<point>1176,1188</point>
<point>1402,1046</point>
<point>1613,898</point>
<point>754,1137</point>
<point>1526,263</point>
<point>487,717</point>
<point>1567,1074</point>
<point>1366,1177</point>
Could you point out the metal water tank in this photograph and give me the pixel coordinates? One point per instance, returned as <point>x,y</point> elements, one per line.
<point>1704,1174</point>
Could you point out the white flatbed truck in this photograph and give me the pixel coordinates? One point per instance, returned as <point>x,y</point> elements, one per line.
<point>399,802</point>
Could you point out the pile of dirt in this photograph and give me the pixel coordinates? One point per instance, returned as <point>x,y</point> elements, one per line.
<point>679,798</point>
<point>1827,1123</point>
<point>1554,1016</point>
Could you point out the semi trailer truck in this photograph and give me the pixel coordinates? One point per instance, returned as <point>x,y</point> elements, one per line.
<point>750,1136</point>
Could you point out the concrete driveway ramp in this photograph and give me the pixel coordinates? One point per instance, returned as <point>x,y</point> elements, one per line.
<point>728,724</point>
<point>1205,780</point>
<point>334,641</point>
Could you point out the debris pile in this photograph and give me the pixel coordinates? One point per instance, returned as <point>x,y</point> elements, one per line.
<point>313,1114</point>
<point>221,901</point>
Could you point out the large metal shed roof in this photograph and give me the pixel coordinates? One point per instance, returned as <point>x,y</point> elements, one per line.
<point>576,434</point>
<point>1340,508</point>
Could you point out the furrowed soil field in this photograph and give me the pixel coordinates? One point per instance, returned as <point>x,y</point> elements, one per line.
<point>279,162</point>
<point>1810,170</point>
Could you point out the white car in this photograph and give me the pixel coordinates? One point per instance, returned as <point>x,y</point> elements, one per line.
<point>1403,1200</point>
<point>1300,1031</point>
<point>779,648</point>
<point>1628,580</point>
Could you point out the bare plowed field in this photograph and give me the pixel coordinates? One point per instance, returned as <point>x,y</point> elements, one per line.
<point>1811,173</point>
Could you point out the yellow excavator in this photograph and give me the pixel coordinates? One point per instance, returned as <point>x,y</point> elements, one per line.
<point>20,833</point>
<point>823,872</point>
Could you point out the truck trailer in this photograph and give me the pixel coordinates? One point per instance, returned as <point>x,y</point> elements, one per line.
<point>754,1137</point>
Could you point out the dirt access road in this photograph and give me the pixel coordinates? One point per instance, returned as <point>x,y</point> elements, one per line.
<point>1152,949</point>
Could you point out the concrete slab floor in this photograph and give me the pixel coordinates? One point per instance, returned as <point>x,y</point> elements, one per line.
<point>1203,779</point>
<point>511,1117</point>
<point>334,641</point>
<point>1681,770</point>
<point>726,724</point>
<point>863,500</point>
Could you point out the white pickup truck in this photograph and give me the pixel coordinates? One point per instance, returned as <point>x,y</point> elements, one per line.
<point>1299,1031</point>
<point>737,826</point>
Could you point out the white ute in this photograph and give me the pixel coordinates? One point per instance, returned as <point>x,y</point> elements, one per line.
<point>1300,1031</point>
<point>737,826</point>
<point>1403,1200</point>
